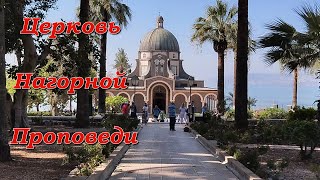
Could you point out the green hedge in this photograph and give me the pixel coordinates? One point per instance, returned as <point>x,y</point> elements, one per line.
<point>302,114</point>
<point>302,133</point>
<point>40,113</point>
<point>271,113</point>
<point>229,115</point>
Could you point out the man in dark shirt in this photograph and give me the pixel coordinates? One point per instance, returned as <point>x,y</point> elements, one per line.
<point>172,116</point>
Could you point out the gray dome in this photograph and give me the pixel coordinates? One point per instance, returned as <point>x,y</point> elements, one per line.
<point>159,39</point>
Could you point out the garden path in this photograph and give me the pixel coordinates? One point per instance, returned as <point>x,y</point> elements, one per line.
<point>163,154</point>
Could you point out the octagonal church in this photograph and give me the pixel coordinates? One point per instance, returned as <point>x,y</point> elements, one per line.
<point>160,77</point>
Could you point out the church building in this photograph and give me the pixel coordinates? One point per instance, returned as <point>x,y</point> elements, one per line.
<point>159,77</point>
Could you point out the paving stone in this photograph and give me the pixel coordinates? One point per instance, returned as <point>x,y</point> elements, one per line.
<point>163,154</point>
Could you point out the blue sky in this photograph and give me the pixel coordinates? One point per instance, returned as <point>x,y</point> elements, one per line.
<point>267,84</point>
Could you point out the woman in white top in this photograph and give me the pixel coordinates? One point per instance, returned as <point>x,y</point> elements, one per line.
<point>183,113</point>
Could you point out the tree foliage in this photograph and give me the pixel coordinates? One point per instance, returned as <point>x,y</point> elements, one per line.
<point>114,102</point>
<point>122,61</point>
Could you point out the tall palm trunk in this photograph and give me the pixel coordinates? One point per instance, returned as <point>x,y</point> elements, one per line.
<point>221,82</point>
<point>295,88</point>
<point>103,69</point>
<point>234,79</point>
<point>241,96</point>
<point>84,65</point>
<point>4,147</point>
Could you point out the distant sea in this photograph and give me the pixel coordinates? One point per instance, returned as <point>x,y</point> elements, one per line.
<point>271,89</point>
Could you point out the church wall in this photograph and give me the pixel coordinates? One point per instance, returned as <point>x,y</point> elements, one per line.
<point>159,52</point>
<point>197,102</point>
<point>145,55</point>
<point>178,100</point>
<point>139,102</point>
<point>173,55</point>
<point>143,68</point>
<point>176,64</point>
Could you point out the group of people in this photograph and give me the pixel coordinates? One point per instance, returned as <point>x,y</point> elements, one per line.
<point>184,112</point>
<point>127,109</point>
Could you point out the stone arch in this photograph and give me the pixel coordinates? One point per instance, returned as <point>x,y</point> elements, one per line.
<point>210,94</point>
<point>124,94</point>
<point>109,94</point>
<point>165,84</point>
<point>179,99</point>
<point>201,98</point>
<point>168,94</point>
<point>139,102</point>
<point>140,93</point>
<point>197,99</point>
<point>210,99</point>
<point>185,96</point>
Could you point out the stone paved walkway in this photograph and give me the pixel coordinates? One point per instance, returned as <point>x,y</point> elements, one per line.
<point>163,154</point>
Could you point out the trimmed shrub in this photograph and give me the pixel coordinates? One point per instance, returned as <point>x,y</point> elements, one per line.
<point>302,114</point>
<point>248,158</point>
<point>125,122</point>
<point>40,113</point>
<point>305,134</point>
<point>271,113</point>
<point>87,156</point>
<point>230,114</point>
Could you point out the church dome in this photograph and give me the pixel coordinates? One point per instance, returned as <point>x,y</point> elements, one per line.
<point>159,39</point>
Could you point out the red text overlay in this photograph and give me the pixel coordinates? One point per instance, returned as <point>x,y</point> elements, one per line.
<point>36,138</point>
<point>24,81</point>
<point>32,26</point>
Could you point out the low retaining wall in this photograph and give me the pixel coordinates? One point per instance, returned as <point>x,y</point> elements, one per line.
<point>235,166</point>
<point>105,169</point>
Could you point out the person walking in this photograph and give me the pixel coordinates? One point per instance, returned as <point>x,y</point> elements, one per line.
<point>204,109</point>
<point>182,115</point>
<point>145,113</point>
<point>156,112</point>
<point>133,110</point>
<point>172,116</point>
<point>125,108</point>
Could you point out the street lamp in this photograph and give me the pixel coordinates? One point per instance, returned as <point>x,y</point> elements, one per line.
<point>191,110</point>
<point>190,83</point>
<point>134,82</point>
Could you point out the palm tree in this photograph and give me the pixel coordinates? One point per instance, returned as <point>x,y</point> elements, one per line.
<point>241,96</point>
<point>229,101</point>
<point>283,41</point>
<point>4,147</point>
<point>84,66</point>
<point>215,28</point>
<point>251,102</point>
<point>311,17</point>
<point>107,11</point>
<point>233,45</point>
<point>122,61</point>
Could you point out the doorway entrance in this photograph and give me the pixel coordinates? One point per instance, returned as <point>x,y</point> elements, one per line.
<point>159,98</point>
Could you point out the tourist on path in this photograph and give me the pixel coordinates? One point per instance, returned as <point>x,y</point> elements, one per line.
<point>191,110</point>
<point>125,108</point>
<point>133,109</point>
<point>172,116</point>
<point>204,109</point>
<point>182,115</point>
<point>156,112</point>
<point>145,113</point>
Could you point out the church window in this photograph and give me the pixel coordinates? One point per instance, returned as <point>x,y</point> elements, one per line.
<point>174,70</point>
<point>144,55</point>
<point>144,70</point>
<point>173,55</point>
